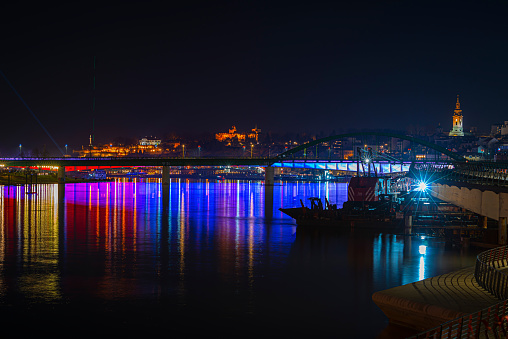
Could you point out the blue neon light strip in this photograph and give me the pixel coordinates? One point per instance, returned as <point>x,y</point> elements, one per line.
<point>350,166</point>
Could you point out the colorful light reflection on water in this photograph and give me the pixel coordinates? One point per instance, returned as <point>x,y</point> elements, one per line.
<point>220,249</point>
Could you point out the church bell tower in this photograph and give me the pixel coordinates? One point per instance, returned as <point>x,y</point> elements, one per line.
<point>457,130</point>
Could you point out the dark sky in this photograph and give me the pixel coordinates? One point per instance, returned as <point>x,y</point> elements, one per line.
<point>188,66</point>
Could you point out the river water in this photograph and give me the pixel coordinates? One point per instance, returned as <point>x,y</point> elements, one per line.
<point>198,258</point>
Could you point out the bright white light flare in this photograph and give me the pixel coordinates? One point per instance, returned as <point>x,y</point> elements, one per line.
<point>422,186</point>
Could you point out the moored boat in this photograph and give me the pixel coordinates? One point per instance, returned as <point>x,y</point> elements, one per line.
<point>366,208</point>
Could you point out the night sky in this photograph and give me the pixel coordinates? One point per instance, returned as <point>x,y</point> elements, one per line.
<point>192,67</point>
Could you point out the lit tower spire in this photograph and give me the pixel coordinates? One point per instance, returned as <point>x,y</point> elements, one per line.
<point>457,129</point>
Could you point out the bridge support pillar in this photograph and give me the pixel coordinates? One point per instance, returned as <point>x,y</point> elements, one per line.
<point>268,202</point>
<point>61,175</point>
<point>408,223</point>
<point>61,208</point>
<point>269,175</point>
<point>165,175</point>
<point>502,230</point>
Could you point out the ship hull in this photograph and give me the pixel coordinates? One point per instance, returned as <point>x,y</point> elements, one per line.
<point>350,223</point>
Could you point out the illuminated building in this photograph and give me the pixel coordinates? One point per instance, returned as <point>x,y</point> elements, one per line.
<point>504,129</point>
<point>102,151</point>
<point>496,129</point>
<point>109,150</point>
<point>149,142</point>
<point>348,154</point>
<point>232,135</point>
<point>457,130</point>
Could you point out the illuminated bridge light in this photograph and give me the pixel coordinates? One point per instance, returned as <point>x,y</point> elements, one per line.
<point>381,167</point>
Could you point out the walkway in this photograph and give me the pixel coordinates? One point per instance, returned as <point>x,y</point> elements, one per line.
<point>430,302</point>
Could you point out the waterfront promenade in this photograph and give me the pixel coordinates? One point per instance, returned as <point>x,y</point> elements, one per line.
<point>430,302</point>
<point>470,302</point>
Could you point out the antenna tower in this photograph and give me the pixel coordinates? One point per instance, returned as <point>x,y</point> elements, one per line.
<point>92,136</point>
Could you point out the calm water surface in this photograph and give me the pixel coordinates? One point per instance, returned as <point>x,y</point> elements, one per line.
<point>200,258</point>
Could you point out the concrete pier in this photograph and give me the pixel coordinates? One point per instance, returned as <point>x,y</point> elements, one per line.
<point>61,175</point>
<point>490,202</point>
<point>502,230</point>
<point>269,176</point>
<point>165,175</point>
<point>483,202</point>
<point>268,202</point>
<point>408,224</point>
<point>430,302</point>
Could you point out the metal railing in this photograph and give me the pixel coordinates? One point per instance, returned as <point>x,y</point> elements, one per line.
<point>474,172</point>
<point>491,322</point>
<point>488,273</point>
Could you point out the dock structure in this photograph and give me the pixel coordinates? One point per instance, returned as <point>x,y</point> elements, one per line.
<point>430,302</point>
<point>486,201</point>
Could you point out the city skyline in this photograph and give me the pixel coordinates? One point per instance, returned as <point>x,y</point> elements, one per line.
<point>299,67</point>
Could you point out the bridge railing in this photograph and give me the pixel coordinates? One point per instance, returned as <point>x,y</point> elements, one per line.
<point>487,176</point>
<point>479,173</point>
<point>127,158</point>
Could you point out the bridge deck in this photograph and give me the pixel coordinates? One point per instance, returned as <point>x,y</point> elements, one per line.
<point>430,302</point>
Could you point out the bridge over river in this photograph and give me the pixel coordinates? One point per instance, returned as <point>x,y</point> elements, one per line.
<point>478,186</point>
<point>382,167</point>
<point>296,157</point>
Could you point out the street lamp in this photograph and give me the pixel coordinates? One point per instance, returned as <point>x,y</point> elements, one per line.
<point>183,150</point>
<point>199,151</point>
<point>65,149</point>
<point>251,147</point>
<point>20,150</point>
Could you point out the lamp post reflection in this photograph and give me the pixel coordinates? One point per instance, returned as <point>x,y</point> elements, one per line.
<point>422,249</point>
<point>268,201</point>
